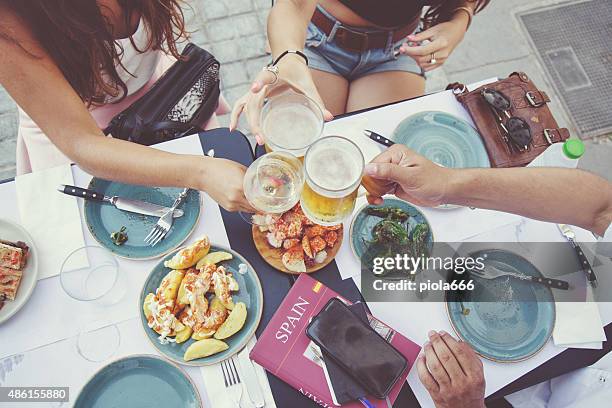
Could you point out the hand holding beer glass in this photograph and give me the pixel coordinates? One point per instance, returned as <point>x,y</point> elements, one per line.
<point>291,122</point>
<point>332,166</point>
<point>273,183</point>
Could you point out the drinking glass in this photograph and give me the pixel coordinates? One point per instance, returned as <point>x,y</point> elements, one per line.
<point>91,275</point>
<point>333,167</point>
<point>291,122</point>
<point>98,340</point>
<point>273,184</point>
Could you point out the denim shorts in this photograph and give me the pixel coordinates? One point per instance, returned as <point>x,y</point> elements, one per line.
<point>325,55</point>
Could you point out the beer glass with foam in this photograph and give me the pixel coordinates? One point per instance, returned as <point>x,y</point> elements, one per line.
<point>333,167</point>
<point>291,122</point>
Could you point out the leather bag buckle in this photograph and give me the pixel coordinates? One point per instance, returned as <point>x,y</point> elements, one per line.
<point>531,98</point>
<point>548,134</point>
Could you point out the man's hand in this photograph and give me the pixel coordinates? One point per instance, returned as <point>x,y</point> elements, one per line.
<point>409,176</point>
<point>452,372</point>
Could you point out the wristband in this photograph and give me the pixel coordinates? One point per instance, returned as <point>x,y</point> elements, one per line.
<point>284,53</point>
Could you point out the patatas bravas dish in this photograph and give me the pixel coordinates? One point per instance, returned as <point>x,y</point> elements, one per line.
<point>194,301</point>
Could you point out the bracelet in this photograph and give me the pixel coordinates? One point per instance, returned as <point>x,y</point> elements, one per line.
<point>296,52</point>
<point>469,13</point>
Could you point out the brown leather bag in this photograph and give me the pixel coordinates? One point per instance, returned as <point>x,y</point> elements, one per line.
<point>528,103</point>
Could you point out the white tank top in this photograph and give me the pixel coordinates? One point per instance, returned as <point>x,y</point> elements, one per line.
<point>138,67</point>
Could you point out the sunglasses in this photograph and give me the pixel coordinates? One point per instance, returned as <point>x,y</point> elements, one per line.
<point>517,131</point>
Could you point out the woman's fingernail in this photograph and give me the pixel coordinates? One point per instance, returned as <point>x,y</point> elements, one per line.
<point>256,85</point>
<point>442,333</point>
<point>431,334</point>
<point>259,139</point>
<point>371,169</point>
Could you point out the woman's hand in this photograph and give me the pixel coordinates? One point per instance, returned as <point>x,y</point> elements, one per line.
<point>223,179</point>
<point>293,74</point>
<point>443,39</point>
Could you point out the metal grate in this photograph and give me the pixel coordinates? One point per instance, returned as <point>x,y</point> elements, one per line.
<point>574,43</point>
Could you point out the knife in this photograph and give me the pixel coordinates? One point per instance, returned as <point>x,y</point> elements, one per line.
<point>250,378</point>
<point>570,236</point>
<point>378,138</point>
<point>124,204</point>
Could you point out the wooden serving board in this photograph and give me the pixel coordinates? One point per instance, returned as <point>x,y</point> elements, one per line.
<point>273,255</point>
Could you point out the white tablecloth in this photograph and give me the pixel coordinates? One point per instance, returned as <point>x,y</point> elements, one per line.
<point>51,316</point>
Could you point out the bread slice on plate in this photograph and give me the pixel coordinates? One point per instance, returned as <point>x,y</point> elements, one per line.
<point>9,283</point>
<point>13,255</point>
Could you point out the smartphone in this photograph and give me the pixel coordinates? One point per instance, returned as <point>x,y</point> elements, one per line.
<point>357,348</point>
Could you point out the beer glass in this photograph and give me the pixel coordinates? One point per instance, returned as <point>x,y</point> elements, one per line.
<point>273,184</point>
<point>333,167</point>
<point>291,122</point>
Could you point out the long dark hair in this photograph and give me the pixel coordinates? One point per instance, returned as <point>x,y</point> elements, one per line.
<point>442,10</point>
<point>79,39</point>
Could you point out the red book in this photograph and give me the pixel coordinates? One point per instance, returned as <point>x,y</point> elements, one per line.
<point>284,349</point>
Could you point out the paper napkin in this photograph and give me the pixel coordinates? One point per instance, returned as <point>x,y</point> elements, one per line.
<point>217,394</point>
<point>578,325</point>
<point>52,218</point>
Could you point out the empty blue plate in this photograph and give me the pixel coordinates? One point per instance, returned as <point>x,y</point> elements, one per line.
<point>442,138</point>
<point>250,292</point>
<point>103,219</point>
<point>489,318</point>
<point>139,381</point>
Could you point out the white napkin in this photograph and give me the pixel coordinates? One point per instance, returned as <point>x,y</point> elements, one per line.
<point>578,325</point>
<point>52,218</point>
<point>217,394</point>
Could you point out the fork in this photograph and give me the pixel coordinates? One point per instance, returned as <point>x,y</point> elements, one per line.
<point>161,229</point>
<point>491,272</point>
<point>232,381</point>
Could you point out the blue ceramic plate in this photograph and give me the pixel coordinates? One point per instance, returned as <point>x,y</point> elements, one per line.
<point>249,292</point>
<point>496,326</point>
<point>443,139</point>
<point>139,381</point>
<point>103,219</point>
<point>362,225</point>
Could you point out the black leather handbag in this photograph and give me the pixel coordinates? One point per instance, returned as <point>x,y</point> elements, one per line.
<point>178,104</point>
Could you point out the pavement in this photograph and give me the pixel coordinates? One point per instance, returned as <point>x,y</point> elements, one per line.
<point>234,31</point>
